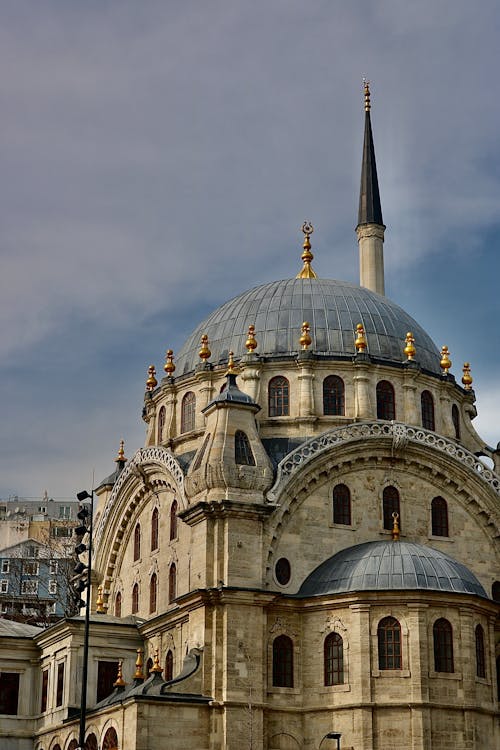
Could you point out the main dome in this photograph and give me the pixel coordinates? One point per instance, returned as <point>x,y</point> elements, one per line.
<point>388,565</point>
<point>332,308</point>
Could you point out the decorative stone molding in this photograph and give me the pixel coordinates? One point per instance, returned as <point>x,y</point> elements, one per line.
<point>156,455</point>
<point>401,435</point>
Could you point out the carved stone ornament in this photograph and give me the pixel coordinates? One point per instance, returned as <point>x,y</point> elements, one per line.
<point>283,625</point>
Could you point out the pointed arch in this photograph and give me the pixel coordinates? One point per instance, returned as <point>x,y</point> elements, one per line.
<point>135,598</point>
<point>137,542</point>
<point>173,520</point>
<point>118,604</point>
<point>169,665</point>
<point>172,583</point>
<point>153,593</point>
<point>154,529</point>
<point>161,423</point>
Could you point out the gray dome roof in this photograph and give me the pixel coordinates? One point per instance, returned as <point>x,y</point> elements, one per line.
<point>389,565</point>
<point>332,308</point>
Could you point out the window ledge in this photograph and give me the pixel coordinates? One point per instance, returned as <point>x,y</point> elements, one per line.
<point>433,537</point>
<point>391,673</point>
<point>445,675</point>
<point>283,691</point>
<point>342,688</point>
<point>346,526</point>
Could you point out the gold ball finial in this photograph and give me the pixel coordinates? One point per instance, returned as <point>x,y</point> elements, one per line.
<point>305,339</point>
<point>99,604</point>
<point>366,86</point>
<point>119,682</point>
<point>139,663</point>
<point>467,377</point>
<point>409,349</point>
<point>395,527</point>
<point>360,341</point>
<point>151,382</point>
<point>120,458</point>
<point>169,366</point>
<point>251,342</point>
<point>307,256</point>
<point>156,663</point>
<point>231,367</point>
<point>204,352</point>
<point>445,362</point>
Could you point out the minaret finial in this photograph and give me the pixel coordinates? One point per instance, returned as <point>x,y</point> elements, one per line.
<point>156,668</point>
<point>139,663</point>
<point>120,458</point>
<point>305,339</point>
<point>366,85</point>
<point>467,377</point>
<point>307,256</point>
<point>251,342</point>
<point>360,340</point>
<point>204,353</point>
<point>119,682</point>
<point>409,349</point>
<point>151,382</point>
<point>99,604</point>
<point>231,367</point>
<point>395,527</point>
<point>445,362</point>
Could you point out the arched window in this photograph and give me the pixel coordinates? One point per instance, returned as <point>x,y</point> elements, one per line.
<point>137,542</point>
<point>161,423</point>
<point>90,742</point>
<point>390,503</point>
<point>495,591</point>
<point>154,529</point>
<point>135,598</point>
<point>153,588</point>
<point>455,418</point>
<point>188,408</point>
<point>480,655</point>
<point>173,520</point>
<point>279,397</point>
<point>242,451</point>
<point>149,666</point>
<point>389,643</point>
<point>110,741</point>
<point>341,504</point>
<point>169,666</point>
<point>118,604</point>
<point>282,661</point>
<point>333,396</point>
<point>443,646</point>
<point>334,659</point>
<point>386,403</point>
<point>73,745</point>
<point>427,407</point>
<point>172,583</point>
<point>439,513</point>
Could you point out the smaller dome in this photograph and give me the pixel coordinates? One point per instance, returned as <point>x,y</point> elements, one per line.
<point>389,565</point>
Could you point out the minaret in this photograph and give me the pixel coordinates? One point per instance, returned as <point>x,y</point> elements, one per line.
<point>370,229</point>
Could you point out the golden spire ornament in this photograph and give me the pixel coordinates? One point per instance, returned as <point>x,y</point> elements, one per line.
<point>366,86</point>
<point>409,349</point>
<point>467,377</point>
<point>445,362</point>
<point>305,339</point>
<point>231,367</point>
<point>204,353</point>
<point>151,382</point>
<point>251,342</point>
<point>307,256</point>
<point>139,663</point>
<point>119,682</point>
<point>121,453</point>
<point>99,604</point>
<point>169,366</point>
<point>156,663</point>
<point>395,527</point>
<point>360,341</point>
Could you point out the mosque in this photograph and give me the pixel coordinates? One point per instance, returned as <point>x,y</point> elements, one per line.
<point>305,553</point>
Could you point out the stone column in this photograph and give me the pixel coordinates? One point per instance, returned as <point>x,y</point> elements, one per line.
<point>360,674</point>
<point>412,413</point>
<point>418,664</point>
<point>305,378</point>
<point>250,375</point>
<point>363,404</point>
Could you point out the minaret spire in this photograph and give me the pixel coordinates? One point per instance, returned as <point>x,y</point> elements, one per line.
<point>370,229</point>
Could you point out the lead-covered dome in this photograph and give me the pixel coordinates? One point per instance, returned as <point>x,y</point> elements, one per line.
<point>389,566</point>
<point>332,308</point>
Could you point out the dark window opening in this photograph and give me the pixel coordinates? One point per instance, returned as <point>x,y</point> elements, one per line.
<point>342,504</point>
<point>283,661</point>
<point>283,571</point>
<point>427,408</point>
<point>279,397</point>
<point>107,672</point>
<point>334,659</point>
<point>391,504</point>
<point>60,684</point>
<point>386,404</point>
<point>443,646</point>
<point>389,644</point>
<point>242,450</point>
<point>439,512</point>
<point>333,396</point>
<point>480,655</point>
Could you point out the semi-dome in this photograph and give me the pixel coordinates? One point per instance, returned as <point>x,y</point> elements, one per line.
<point>389,565</point>
<point>332,308</point>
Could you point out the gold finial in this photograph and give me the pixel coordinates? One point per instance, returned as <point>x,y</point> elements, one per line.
<point>360,341</point>
<point>307,256</point>
<point>232,369</point>
<point>169,366</point>
<point>151,382</point>
<point>139,663</point>
<point>467,377</point>
<point>366,85</point>
<point>204,352</point>
<point>445,362</point>
<point>119,682</point>
<point>395,527</point>
<point>121,453</point>
<point>305,339</point>
<point>251,342</point>
<point>99,604</point>
<point>409,349</point>
<point>156,663</point>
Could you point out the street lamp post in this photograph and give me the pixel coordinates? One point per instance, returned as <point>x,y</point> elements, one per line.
<point>85,514</point>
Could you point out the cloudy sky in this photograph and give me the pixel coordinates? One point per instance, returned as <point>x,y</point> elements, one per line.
<point>157,158</point>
